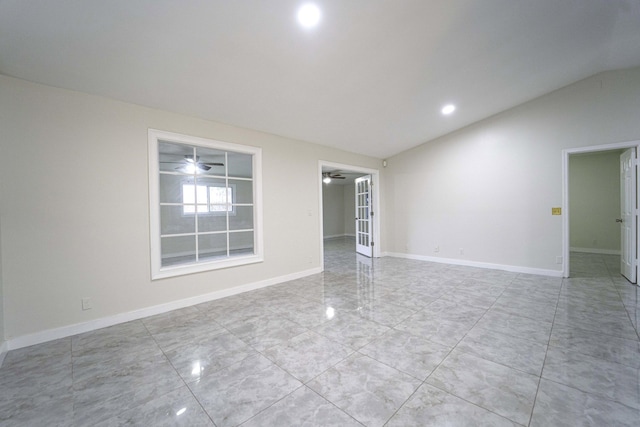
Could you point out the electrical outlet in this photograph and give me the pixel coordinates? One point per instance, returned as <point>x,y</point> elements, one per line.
<point>461,251</point>
<point>436,249</point>
<point>558,260</point>
<point>87,304</point>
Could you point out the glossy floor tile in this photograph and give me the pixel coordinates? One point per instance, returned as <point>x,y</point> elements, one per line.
<point>383,342</point>
<point>368,390</point>
<point>496,387</point>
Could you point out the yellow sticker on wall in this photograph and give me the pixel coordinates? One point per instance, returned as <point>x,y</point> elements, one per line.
<point>556,211</point>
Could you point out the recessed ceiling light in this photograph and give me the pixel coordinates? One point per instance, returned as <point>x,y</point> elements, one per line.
<point>309,15</point>
<point>448,109</point>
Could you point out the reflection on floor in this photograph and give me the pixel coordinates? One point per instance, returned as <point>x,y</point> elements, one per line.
<point>368,342</point>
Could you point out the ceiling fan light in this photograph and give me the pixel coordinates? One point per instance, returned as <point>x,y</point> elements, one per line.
<point>326,180</point>
<point>192,168</point>
<point>189,158</point>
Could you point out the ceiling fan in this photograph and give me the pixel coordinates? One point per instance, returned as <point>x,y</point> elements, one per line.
<point>191,165</point>
<point>328,176</point>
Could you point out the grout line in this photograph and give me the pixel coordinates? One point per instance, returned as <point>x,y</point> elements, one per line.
<point>535,399</point>
<point>178,374</point>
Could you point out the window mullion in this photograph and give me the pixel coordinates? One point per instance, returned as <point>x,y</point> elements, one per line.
<point>226,197</point>
<point>196,214</point>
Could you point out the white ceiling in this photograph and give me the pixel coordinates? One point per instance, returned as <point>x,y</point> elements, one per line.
<point>371,78</point>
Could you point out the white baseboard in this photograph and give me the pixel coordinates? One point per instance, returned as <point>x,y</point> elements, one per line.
<point>452,261</point>
<point>335,236</point>
<point>78,328</point>
<point>4,349</point>
<point>596,251</point>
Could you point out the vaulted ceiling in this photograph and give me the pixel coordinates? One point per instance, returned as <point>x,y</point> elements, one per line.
<point>371,77</point>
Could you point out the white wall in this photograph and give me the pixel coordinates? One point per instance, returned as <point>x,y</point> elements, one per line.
<point>339,210</point>
<point>489,188</point>
<point>2,339</point>
<point>75,215</point>
<point>332,210</point>
<point>594,202</point>
<point>349,213</point>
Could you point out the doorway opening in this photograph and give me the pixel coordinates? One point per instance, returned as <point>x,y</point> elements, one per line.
<point>349,206</point>
<point>596,194</point>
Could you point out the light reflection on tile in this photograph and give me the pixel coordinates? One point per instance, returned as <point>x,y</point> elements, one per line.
<point>178,407</point>
<point>196,360</point>
<point>364,334</point>
<point>384,313</point>
<point>310,314</point>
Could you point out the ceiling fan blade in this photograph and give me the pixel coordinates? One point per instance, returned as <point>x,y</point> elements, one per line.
<point>337,177</point>
<point>211,164</point>
<point>203,166</point>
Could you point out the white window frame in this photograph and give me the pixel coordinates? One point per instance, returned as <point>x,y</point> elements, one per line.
<point>159,272</point>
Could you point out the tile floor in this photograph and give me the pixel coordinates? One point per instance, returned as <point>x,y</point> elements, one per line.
<point>385,342</point>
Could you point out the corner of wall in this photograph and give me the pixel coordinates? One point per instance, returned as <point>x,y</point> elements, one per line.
<point>4,349</point>
<point>3,342</point>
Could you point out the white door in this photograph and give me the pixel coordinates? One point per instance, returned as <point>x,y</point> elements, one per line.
<point>364,232</point>
<point>628,215</point>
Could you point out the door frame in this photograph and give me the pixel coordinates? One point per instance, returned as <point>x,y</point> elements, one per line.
<point>375,190</point>
<point>565,192</point>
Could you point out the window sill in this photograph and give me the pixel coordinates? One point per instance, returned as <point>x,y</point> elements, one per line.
<point>181,270</point>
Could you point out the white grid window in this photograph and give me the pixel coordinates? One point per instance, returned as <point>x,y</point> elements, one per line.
<point>204,203</point>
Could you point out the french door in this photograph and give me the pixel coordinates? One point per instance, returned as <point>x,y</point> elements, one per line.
<point>628,226</point>
<point>364,223</point>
